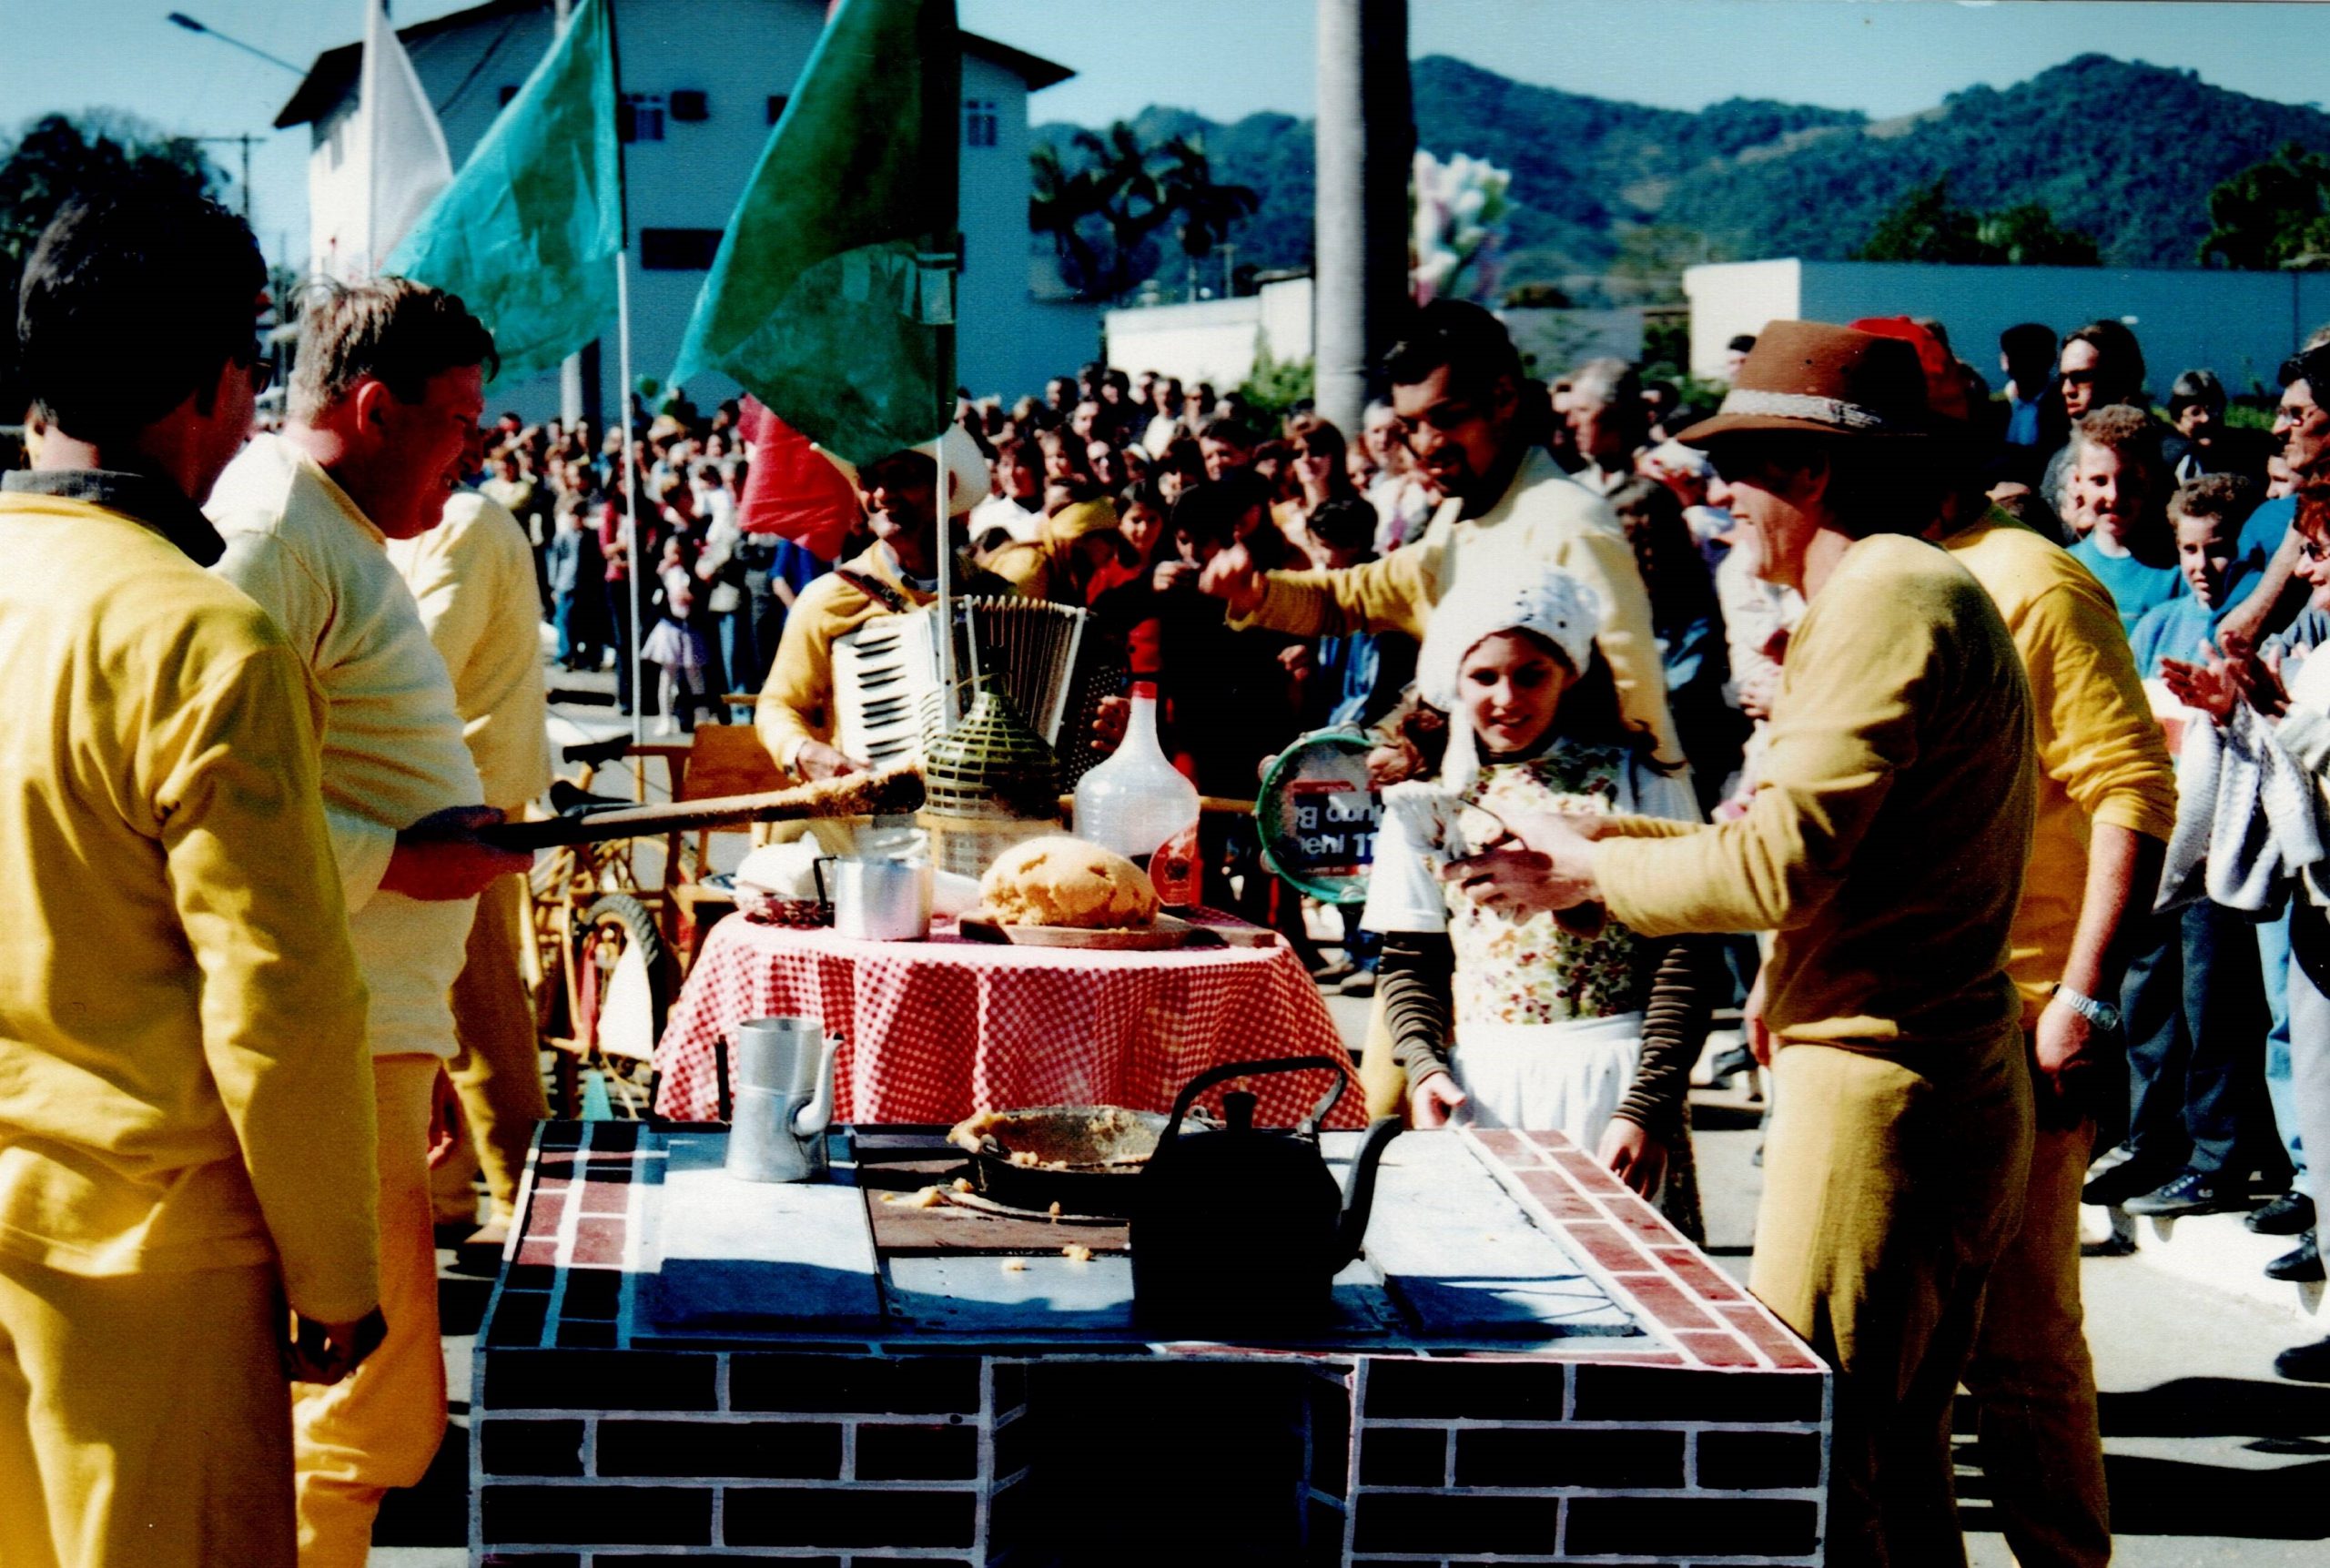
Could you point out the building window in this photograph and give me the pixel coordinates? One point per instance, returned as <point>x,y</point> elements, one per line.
<point>677,249</point>
<point>981,124</point>
<point>509,91</point>
<point>640,117</point>
<point>776,102</point>
<point>690,107</point>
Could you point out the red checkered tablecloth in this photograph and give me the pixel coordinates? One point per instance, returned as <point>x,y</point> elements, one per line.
<point>935,1031</point>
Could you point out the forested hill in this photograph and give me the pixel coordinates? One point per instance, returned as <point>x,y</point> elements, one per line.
<point>2123,151</point>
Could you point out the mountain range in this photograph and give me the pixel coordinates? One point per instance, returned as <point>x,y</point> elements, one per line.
<point>2123,151</point>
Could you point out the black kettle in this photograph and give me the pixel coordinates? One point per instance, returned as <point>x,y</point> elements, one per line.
<point>1239,1230</point>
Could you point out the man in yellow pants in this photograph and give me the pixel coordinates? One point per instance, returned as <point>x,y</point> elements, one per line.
<point>389,384</point>
<point>2106,807</point>
<point>472,576</point>
<point>186,1105</point>
<point>1886,847</point>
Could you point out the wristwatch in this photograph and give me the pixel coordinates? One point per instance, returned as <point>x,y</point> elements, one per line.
<point>2102,1014</point>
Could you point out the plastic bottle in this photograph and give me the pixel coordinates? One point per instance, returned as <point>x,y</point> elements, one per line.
<point>1138,805</point>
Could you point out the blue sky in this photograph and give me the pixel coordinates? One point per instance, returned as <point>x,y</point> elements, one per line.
<point>1225,58</point>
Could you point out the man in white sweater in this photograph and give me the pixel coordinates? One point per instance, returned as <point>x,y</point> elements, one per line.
<point>472,576</point>
<point>390,382</point>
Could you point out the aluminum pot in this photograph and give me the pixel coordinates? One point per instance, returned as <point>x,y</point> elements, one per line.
<point>877,900</point>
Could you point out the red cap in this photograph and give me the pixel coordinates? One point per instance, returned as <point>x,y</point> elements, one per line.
<point>1945,392</point>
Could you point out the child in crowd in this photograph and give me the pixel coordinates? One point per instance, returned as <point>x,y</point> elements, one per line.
<point>2278,727</point>
<point>2120,488</point>
<point>2206,515</point>
<point>1350,680</point>
<point>1570,1022</point>
<point>677,646</point>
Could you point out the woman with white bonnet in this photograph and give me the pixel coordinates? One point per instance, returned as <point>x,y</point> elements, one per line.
<point>1570,1023</point>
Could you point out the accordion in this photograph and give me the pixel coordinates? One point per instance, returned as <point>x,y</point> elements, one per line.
<point>1046,659</point>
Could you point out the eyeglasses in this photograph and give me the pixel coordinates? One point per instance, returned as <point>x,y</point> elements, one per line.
<point>261,368</point>
<point>1443,416</point>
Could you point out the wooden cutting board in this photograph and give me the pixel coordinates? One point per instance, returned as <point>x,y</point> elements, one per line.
<point>1167,932</point>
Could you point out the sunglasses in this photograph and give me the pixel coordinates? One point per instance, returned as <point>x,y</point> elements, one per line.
<point>261,368</point>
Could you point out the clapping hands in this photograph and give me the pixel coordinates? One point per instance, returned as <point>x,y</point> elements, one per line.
<point>2217,683</point>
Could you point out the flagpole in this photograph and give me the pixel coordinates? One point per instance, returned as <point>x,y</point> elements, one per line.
<point>946,589</point>
<point>631,495</point>
<point>631,498</point>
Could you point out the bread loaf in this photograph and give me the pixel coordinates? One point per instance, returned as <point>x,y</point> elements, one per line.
<point>1063,881</point>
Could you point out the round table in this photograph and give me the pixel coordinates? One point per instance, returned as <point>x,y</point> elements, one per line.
<point>935,1031</point>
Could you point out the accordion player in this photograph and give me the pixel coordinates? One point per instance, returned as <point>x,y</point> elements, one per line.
<point>842,678</point>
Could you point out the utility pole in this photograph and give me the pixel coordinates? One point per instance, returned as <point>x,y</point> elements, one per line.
<point>1366,143</point>
<point>246,140</point>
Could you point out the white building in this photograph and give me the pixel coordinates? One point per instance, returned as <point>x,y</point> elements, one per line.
<point>2242,325</point>
<point>703,81</point>
<point>1220,342</point>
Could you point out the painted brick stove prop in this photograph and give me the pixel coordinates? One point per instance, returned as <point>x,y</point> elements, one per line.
<point>1528,1364</point>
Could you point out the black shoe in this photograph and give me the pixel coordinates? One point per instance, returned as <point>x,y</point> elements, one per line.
<point>2291,1214</point>
<point>2301,1267</point>
<point>2192,1192</point>
<point>2306,1363</point>
<point>1730,1065</point>
<point>2118,1174</point>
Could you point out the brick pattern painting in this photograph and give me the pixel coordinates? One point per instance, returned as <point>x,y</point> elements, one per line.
<point>1701,1441</point>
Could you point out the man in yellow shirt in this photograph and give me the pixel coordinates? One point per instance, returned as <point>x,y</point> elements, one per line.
<point>472,576</point>
<point>1886,847</point>
<point>387,388</point>
<point>2106,807</point>
<point>185,1100</point>
<point>1457,388</point>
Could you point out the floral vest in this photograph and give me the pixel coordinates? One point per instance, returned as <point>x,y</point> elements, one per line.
<point>1533,970</point>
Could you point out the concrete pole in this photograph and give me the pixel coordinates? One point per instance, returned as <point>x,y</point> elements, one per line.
<point>1366,141</point>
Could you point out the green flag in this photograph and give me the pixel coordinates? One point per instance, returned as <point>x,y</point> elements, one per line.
<point>833,297</point>
<point>528,232</point>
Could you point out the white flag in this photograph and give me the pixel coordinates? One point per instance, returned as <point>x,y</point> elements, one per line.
<point>386,162</point>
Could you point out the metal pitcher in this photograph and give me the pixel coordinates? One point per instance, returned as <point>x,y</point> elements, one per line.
<point>783,1096</point>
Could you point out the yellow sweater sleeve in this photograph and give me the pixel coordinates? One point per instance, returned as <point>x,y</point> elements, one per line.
<point>796,702</point>
<point>282,1009</point>
<point>1844,725</point>
<point>1604,562</point>
<point>1393,594</point>
<point>2096,733</point>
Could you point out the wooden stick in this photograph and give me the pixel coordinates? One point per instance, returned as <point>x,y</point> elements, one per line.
<point>900,790</point>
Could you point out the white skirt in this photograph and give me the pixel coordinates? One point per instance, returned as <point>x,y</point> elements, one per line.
<point>1561,1077</point>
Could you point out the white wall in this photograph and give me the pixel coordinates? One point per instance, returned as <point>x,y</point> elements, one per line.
<point>738,53</point>
<point>1215,341</point>
<point>1738,296</point>
<point>2241,325</point>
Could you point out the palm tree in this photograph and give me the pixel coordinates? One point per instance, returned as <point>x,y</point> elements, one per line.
<point>1104,212</point>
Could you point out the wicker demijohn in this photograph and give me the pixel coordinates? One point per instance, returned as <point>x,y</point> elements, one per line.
<point>988,782</point>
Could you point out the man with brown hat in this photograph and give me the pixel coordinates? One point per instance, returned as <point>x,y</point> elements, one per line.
<point>1886,848</point>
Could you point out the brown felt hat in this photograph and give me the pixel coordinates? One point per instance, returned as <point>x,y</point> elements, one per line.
<point>1812,378</point>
